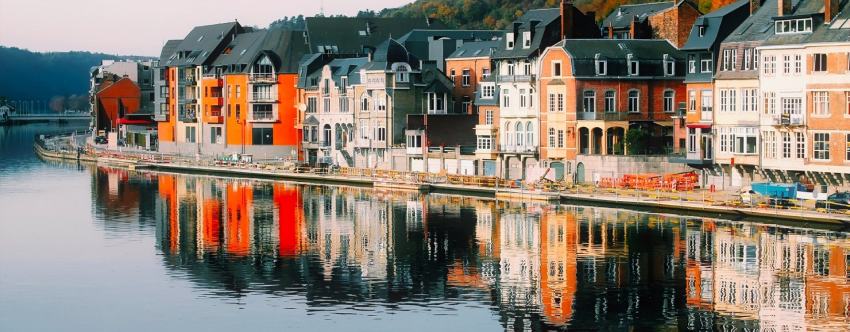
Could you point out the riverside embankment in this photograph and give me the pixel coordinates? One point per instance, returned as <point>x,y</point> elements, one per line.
<point>701,202</point>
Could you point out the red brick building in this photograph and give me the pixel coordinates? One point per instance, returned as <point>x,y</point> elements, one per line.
<point>670,20</point>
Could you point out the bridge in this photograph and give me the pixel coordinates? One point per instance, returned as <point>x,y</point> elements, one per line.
<point>48,117</point>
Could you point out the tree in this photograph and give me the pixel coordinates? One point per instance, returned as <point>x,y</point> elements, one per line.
<point>637,141</point>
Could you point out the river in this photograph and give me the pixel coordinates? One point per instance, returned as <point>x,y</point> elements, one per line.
<point>84,247</point>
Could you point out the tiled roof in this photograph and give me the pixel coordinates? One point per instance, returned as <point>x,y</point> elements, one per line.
<point>622,16</point>
<point>648,52</point>
<point>351,34</point>
<point>476,49</point>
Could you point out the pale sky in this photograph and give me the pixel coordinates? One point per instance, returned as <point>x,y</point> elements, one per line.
<point>140,27</point>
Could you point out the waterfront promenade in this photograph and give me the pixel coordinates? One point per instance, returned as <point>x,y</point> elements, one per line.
<point>699,201</point>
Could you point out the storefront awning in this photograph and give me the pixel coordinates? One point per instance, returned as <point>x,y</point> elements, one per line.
<point>699,125</point>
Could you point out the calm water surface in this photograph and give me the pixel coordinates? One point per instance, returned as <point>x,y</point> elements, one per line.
<point>93,248</point>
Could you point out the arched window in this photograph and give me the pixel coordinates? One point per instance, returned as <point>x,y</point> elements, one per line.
<point>519,134</point>
<point>402,72</point>
<point>364,102</point>
<point>327,135</point>
<point>529,132</point>
<point>589,101</point>
<point>508,136</point>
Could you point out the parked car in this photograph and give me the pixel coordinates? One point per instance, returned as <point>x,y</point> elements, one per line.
<point>100,140</point>
<point>836,201</point>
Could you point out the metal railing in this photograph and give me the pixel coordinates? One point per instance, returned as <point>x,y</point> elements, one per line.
<point>264,78</point>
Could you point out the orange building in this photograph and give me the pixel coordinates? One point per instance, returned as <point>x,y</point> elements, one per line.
<point>558,269</point>
<point>290,209</point>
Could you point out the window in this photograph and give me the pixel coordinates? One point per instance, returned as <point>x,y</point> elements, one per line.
<point>380,103</point>
<point>786,64</point>
<point>633,65</point>
<point>551,137</point>
<point>466,104</point>
<point>634,101</point>
<point>215,135</point>
<point>561,140</point>
<point>745,140</point>
<point>551,102</point>
<point>523,100</point>
<point>755,59</point>
<point>692,64</point>
<point>326,105</point>
<point>819,62</point>
<point>436,103</point>
<point>381,134</point>
<point>526,39</point>
<point>800,25</point>
<point>508,137</point>
<point>820,101</point>
<point>487,91</point>
<point>402,74</point>
<point>343,104</point>
<point>364,103</point>
<point>529,131</point>
<point>792,106</point>
<point>786,145</point>
<point>669,101</point>
<point>727,100</point>
<point>846,103</point>
<point>414,141</point>
<point>527,68</point>
<point>770,103</point>
<point>669,65</point>
<point>728,60</point>
<point>509,37</point>
<point>601,66</point>
<point>465,77</point>
<point>750,102</point>
<point>707,102</point>
<point>798,64</point>
<point>312,104</point>
<point>485,73</point>
<point>769,144</point>
<point>801,145</point>
<point>769,68</point>
<point>364,129</point>
<point>821,146</point>
<point>453,76</point>
<point>519,134</point>
<point>748,58</point>
<point>692,101</point>
<point>589,101</point>
<point>610,101</point>
<point>488,117</point>
<point>506,98</point>
<point>556,69</point>
<point>485,143</point>
<point>692,140</point>
<point>190,134</point>
<point>238,91</point>
<point>705,65</point>
<point>511,69</point>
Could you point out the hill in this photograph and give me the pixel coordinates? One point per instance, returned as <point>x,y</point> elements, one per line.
<point>26,75</point>
<point>498,14</point>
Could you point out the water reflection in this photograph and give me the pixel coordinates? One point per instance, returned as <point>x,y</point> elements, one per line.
<point>537,267</point>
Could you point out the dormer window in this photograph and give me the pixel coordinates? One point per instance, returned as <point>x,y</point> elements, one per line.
<point>509,38</point>
<point>601,65</point>
<point>634,66</point>
<point>701,31</point>
<point>488,91</point>
<point>526,39</point>
<point>799,25</point>
<point>669,65</point>
<point>402,73</point>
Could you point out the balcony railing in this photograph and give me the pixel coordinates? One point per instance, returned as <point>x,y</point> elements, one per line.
<point>262,78</point>
<point>787,119</point>
<point>263,97</point>
<point>604,116</point>
<point>516,78</point>
<point>518,149</point>
<point>187,116</point>
<point>263,116</point>
<point>188,80</point>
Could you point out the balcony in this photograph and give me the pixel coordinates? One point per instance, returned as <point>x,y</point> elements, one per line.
<point>417,151</point>
<point>268,78</point>
<point>188,80</point>
<point>160,116</point>
<point>256,97</point>
<point>516,78</point>
<point>787,119</point>
<point>517,149</point>
<point>214,117</point>
<point>187,116</point>
<point>214,101</point>
<point>603,116</point>
<point>187,100</point>
<point>262,116</point>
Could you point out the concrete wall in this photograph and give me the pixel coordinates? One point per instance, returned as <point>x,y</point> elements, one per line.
<point>596,166</point>
<point>259,152</point>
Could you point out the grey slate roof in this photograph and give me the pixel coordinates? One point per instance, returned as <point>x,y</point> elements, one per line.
<point>350,34</point>
<point>838,31</point>
<point>419,42</point>
<point>242,50</point>
<point>476,49</point>
<point>201,44</point>
<point>168,49</point>
<point>648,52</point>
<point>622,16</point>
<point>758,27</point>
<point>282,46</point>
<point>717,25</point>
<point>347,67</point>
<point>311,66</point>
<point>542,19</point>
<point>390,52</point>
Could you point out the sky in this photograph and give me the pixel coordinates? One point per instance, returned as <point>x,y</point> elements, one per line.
<point>141,27</point>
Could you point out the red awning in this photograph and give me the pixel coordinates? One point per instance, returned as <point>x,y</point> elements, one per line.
<point>135,122</point>
<point>699,125</point>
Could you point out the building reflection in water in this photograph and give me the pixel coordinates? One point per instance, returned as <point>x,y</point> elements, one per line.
<point>537,266</point>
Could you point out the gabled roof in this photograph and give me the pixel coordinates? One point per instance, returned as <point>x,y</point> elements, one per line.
<point>288,46</point>
<point>242,50</point>
<point>201,43</point>
<point>277,44</point>
<point>538,20</point>
<point>758,27</point>
<point>311,66</point>
<point>716,25</point>
<point>648,52</point>
<point>350,34</point>
<point>347,67</point>
<point>476,49</point>
<point>622,16</point>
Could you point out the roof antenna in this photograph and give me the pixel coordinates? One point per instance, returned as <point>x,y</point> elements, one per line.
<point>322,8</point>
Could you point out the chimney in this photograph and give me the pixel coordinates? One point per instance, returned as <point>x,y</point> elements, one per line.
<point>610,31</point>
<point>830,8</point>
<point>633,29</point>
<point>567,19</point>
<point>784,7</point>
<point>754,6</point>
